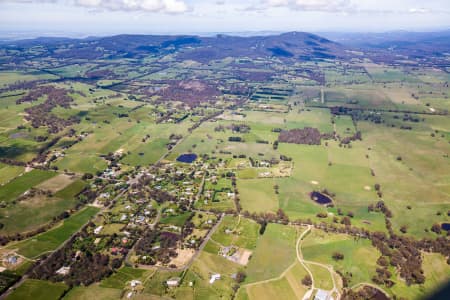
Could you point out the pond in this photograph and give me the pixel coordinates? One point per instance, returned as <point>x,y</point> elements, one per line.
<point>187,158</point>
<point>321,198</point>
<point>445,226</point>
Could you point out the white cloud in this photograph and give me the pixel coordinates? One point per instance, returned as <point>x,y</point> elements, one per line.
<point>419,10</point>
<point>311,5</point>
<point>166,6</point>
<point>276,3</point>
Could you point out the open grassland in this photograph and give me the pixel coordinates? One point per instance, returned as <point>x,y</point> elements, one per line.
<point>383,74</point>
<point>288,287</point>
<point>7,77</point>
<point>56,183</point>
<point>344,126</point>
<point>412,171</point>
<point>264,264</point>
<point>51,239</point>
<point>242,232</point>
<point>19,185</point>
<point>8,173</point>
<point>436,272</point>
<point>154,284</point>
<point>206,265</point>
<point>222,202</point>
<point>322,277</point>
<point>93,292</point>
<point>122,135</point>
<point>258,195</point>
<point>347,179</point>
<point>33,289</point>
<point>207,140</point>
<point>359,255</point>
<point>33,212</point>
<point>311,117</point>
<point>279,289</point>
<point>123,276</point>
<point>178,220</point>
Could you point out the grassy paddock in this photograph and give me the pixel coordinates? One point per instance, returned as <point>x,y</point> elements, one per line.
<point>93,292</point>
<point>33,289</point>
<point>51,239</point>
<point>19,185</point>
<point>264,264</point>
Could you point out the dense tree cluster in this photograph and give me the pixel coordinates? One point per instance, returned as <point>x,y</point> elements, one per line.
<point>307,136</point>
<point>191,92</point>
<point>40,115</point>
<point>163,252</point>
<point>365,293</point>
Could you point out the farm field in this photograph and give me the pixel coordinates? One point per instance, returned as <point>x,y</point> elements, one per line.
<point>39,210</point>
<point>8,173</point>
<point>51,239</point>
<point>240,232</point>
<point>288,287</point>
<point>319,247</point>
<point>85,293</point>
<point>277,239</point>
<point>39,290</point>
<point>22,183</point>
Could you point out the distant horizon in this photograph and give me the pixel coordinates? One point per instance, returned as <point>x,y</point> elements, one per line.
<point>30,34</point>
<point>77,18</point>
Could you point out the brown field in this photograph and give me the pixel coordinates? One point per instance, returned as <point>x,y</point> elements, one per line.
<point>56,183</point>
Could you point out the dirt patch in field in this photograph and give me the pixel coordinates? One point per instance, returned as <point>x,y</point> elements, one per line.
<point>243,256</point>
<point>56,183</point>
<point>184,255</point>
<point>230,117</point>
<point>400,95</point>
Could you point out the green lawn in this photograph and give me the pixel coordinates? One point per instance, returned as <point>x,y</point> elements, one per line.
<point>177,220</point>
<point>33,289</point>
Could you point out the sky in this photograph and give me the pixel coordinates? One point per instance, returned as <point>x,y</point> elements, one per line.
<point>104,17</point>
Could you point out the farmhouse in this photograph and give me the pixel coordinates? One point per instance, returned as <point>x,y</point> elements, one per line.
<point>214,277</point>
<point>63,271</point>
<point>135,283</point>
<point>12,260</point>
<point>173,282</point>
<point>322,295</point>
<point>98,229</point>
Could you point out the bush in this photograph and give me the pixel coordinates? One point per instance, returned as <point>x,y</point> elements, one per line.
<point>307,281</point>
<point>338,256</point>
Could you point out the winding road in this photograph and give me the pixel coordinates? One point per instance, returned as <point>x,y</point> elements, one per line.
<point>305,263</point>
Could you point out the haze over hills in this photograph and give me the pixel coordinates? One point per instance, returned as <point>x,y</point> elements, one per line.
<point>292,45</point>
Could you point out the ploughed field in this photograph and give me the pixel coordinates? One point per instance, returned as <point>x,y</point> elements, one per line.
<point>174,167</point>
